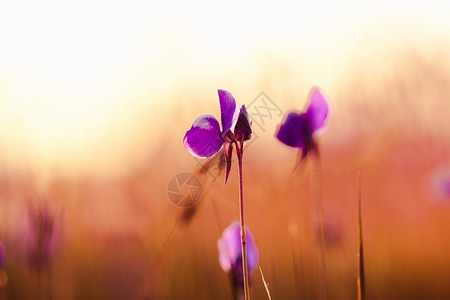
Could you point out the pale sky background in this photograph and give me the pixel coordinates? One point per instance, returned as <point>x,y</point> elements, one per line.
<point>79,78</point>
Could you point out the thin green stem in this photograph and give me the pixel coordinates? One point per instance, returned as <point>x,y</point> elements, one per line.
<point>240,152</point>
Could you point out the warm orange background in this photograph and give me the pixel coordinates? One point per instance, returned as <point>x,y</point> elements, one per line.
<point>95,99</point>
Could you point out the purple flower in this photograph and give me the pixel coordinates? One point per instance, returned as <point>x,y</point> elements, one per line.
<point>2,255</point>
<point>230,253</point>
<point>40,237</point>
<point>299,128</point>
<point>205,138</point>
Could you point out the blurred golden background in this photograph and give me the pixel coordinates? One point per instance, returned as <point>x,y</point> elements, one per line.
<point>96,96</point>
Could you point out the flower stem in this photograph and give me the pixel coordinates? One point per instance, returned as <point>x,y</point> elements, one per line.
<point>240,152</point>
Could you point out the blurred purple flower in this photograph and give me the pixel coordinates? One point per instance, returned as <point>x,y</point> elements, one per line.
<point>230,253</point>
<point>299,128</point>
<point>205,138</point>
<point>2,255</point>
<point>40,238</point>
<point>333,232</point>
<point>446,187</point>
<point>440,184</point>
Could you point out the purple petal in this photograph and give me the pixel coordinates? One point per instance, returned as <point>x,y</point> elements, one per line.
<point>229,246</point>
<point>295,131</point>
<point>252,251</point>
<point>318,109</point>
<point>203,139</point>
<point>229,111</point>
<point>243,128</point>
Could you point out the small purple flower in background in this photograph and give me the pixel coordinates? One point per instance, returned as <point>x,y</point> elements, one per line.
<point>440,185</point>
<point>230,254</point>
<point>205,138</point>
<point>446,187</point>
<point>333,232</point>
<point>298,131</point>
<point>299,128</point>
<point>41,233</point>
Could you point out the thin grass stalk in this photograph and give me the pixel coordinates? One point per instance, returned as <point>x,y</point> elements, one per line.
<point>266,285</point>
<point>360,279</point>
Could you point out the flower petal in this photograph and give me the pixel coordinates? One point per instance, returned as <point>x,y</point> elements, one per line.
<point>203,139</point>
<point>224,255</point>
<point>243,128</point>
<point>318,109</point>
<point>230,246</point>
<point>252,251</point>
<point>295,131</point>
<point>229,111</point>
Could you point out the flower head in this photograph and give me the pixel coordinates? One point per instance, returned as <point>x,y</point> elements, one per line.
<point>206,138</point>
<point>298,129</point>
<point>230,253</point>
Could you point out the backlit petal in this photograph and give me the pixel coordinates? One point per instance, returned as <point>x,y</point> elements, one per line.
<point>203,139</point>
<point>318,109</point>
<point>295,131</point>
<point>229,111</point>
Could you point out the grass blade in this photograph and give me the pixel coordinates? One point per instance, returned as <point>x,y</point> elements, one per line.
<point>360,279</point>
<point>265,284</point>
